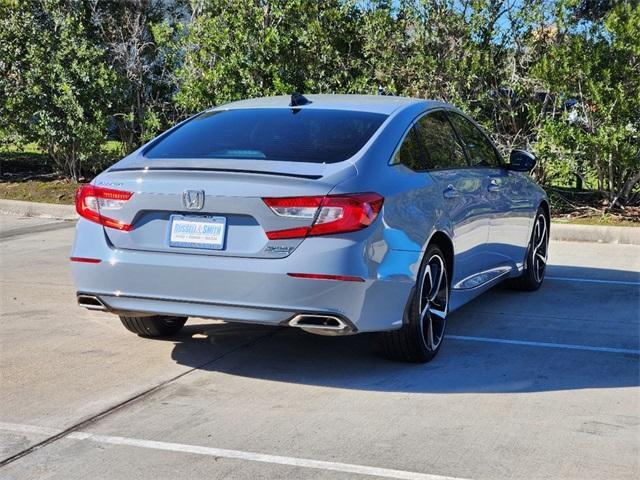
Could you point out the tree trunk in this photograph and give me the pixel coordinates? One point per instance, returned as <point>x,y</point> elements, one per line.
<point>611,182</point>
<point>140,119</point>
<point>629,184</point>
<point>72,166</point>
<point>600,175</point>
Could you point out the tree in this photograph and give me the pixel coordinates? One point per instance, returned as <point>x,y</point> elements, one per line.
<point>559,77</point>
<point>248,48</point>
<point>141,40</point>
<point>596,67</point>
<point>54,81</point>
<point>472,53</point>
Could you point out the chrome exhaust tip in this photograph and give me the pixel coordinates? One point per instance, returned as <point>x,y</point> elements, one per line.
<point>91,302</point>
<point>320,324</point>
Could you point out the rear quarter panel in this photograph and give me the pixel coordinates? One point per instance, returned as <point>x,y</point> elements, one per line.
<point>412,210</point>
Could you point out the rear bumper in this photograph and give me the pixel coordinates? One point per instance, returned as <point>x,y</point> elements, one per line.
<point>250,290</point>
<point>128,305</point>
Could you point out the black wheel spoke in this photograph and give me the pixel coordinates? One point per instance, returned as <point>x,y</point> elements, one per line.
<point>427,281</point>
<point>433,302</point>
<point>430,338</point>
<point>436,286</point>
<point>539,243</point>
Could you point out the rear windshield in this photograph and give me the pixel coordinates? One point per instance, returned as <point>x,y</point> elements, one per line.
<point>292,135</point>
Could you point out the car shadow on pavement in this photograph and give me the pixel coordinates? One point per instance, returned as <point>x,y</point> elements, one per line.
<point>557,313</point>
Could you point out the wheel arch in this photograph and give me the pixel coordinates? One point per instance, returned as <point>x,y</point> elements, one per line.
<point>442,240</point>
<point>547,210</point>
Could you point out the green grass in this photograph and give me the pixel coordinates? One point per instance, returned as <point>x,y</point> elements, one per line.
<point>110,146</point>
<point>29,174</point>
<point>29,148</point>
<point>20,153</point>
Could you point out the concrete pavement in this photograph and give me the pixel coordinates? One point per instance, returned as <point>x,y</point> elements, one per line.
<point>541,385</point>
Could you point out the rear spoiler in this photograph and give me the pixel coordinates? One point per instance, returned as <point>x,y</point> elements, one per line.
<point>224,170</point>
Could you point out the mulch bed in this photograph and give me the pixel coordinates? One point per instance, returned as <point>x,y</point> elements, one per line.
<point>570,204</point>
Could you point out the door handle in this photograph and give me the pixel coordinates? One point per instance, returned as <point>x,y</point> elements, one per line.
<point>494,185</point>
<point>451,192</point>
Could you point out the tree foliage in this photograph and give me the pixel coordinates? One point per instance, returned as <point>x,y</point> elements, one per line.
<point>249,48</point>
<point>597,66</point>
<point>559,77</point>
<point>56,85</point>
<point>139,39</point>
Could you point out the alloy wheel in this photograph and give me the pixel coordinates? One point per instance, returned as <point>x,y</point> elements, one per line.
<point>540,248</point>
<point>433,302</point>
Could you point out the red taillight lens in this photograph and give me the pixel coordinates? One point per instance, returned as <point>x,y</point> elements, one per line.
<point>92,201</point>
<point>85,260</point>
<point>329,214</point>
<point>322,276</point>
<point>299,232</point>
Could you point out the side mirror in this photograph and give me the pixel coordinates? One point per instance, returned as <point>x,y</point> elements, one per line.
<point>521,161</point>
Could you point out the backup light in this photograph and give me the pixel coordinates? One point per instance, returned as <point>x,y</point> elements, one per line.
<point>91,201</point>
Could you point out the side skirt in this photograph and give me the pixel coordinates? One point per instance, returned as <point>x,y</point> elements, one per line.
<point>469,288</point>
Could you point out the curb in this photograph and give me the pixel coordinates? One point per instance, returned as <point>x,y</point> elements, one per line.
<point>595,234</point>
<point>559,232</point>
<point>35,209</point>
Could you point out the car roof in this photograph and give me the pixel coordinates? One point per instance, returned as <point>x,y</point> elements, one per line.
<point>385,104</point>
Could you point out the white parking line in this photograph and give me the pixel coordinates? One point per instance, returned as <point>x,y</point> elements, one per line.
<point>236,454</point>
<point>565,346</point>
<point>594,280</point>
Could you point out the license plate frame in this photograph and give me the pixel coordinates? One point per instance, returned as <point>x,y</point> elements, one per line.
<point>180,239</point>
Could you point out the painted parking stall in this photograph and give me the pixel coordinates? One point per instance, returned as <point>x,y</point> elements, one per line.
<point>542,383</point>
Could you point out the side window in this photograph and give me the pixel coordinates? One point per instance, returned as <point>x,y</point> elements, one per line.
<point>440,142</point>
<point>481,151</point>
<point>410,153</point>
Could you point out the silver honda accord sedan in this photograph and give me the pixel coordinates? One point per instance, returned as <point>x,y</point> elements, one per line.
<point>336,214</point>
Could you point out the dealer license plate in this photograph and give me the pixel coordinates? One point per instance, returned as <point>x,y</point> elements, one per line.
<point>197,232</point>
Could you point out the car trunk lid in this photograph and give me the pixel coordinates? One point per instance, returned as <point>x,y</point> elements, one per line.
<point>232,191</point>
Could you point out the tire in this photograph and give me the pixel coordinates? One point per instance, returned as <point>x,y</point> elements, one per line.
<point>420,338</point>
<point>153,326</point>
<point>535,262</point>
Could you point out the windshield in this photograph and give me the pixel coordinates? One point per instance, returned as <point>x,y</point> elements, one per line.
<point>293,135</point>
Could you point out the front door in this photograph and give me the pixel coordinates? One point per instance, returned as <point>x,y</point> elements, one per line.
<point>504,191</point>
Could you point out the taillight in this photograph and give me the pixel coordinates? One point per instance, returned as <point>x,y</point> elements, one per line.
<point>92,202</point>
<point>328,215</point>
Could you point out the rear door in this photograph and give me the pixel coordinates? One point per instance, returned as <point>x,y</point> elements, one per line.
<point>463,192</point>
